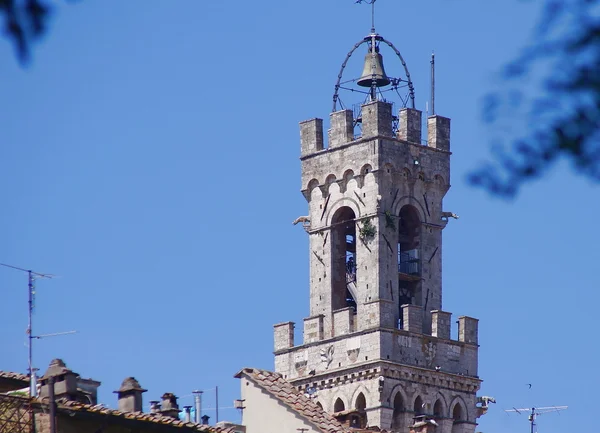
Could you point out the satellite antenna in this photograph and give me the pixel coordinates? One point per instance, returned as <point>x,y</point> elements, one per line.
<point>32,276</point>
<point>535,411</point>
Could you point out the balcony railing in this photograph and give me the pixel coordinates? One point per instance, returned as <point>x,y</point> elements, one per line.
<point>409,262</point>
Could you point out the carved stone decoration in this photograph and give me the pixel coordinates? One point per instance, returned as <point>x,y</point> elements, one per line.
<point>429,350</point>
<point>353,354</point>
<point>301,367</point>
<point>404,343</point>
<point>327,356</point>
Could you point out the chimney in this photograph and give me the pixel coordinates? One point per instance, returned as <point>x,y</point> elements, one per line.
<point>65,381</point>
<point>423,424</point>
<point>204,419</point>
<point>188,413</point>
<point>198,406</point>
<point>130,396</point>
<point>154,406</point>
<point>87,390</point>
<point>169,406</point>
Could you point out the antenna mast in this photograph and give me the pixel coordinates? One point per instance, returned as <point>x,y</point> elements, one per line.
<point>31,277</point>
<point>535,411</point>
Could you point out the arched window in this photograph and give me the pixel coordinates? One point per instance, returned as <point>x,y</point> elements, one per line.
<point>438,409</point>
<point>418,407</point>
<point>343,258</point>
<point>398,415</point>
<point>409,257</point>
<point>320,405</point>
<point>457,413</point>
<point>361,402</point>
<point>339,406</point>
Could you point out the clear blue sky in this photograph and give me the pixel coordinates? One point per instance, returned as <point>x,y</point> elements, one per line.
<point>150,158</point>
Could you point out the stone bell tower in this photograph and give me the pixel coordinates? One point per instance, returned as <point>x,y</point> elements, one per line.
<point>377,340</point>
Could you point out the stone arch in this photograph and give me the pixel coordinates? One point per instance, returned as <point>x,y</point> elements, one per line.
<point>440,408</point>
<point>320,405</point>
<point>399,392</point>
<point>339,405</point>
<point>342,202</point>
<point>439,180</point>
<point>421,176</point>
<point>366,173</point>
<point>348,175</point>
<point>346,178</point>
<point>399,409</point>
<point>418,405</point>
<point>410,200</point>
<point>389,169</point>
<point>458,407</point>
<point>406,174</point>
<point>312,184</point>
<point>361,402</point>
<point>330,179</point>
<point>360,390</point>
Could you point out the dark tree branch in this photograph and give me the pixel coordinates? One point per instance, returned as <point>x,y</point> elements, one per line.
<point>562,123</point>
<point>25,21</point>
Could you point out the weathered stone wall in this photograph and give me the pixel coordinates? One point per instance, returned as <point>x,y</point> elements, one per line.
<point>345,353</point>
<point>392,392</point>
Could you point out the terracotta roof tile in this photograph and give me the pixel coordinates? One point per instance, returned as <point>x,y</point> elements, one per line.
<point>15,376</point>
<point>283,391</point>
<point>140,416</point>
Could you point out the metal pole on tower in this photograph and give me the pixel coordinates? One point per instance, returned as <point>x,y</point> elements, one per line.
<point>433,84</point>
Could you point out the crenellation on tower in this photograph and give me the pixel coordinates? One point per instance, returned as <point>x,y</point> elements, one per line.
<point>341,130</point>
<point>311,136</point>
<point>377,119</point>
<point>313,329</point>
<point>438,133</point>
<point>468,330</point>
<point>412,317</point>
<point>284,335</point>
<point>409,125</point>
<point>343,322</point>
<point>441,322</point>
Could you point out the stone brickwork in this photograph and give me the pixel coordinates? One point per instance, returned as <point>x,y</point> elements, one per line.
<point>284,335</point>
<point>409,125</point>
<point>392,341</point>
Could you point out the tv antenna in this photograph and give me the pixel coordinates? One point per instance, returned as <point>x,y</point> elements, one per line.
<point>31,277</point>
<point>535,411</point>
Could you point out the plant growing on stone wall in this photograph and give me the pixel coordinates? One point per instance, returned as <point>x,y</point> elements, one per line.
<point>368,230</point>
<point>390,221</point>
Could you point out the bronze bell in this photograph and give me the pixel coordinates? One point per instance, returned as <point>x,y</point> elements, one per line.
<point>375,71</point>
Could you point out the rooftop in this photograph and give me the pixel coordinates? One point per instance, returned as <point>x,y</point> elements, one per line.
<point>279,388</point>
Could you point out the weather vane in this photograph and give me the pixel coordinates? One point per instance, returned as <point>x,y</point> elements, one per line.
<point>372,3</point>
